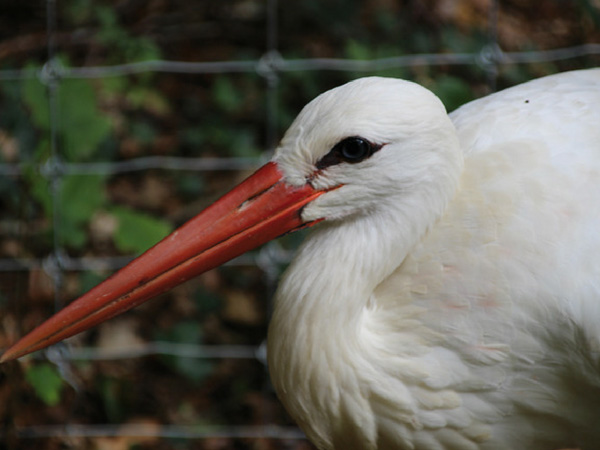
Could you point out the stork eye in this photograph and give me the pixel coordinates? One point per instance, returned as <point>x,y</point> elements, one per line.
<point>351,150</point>
<point>354,149</point>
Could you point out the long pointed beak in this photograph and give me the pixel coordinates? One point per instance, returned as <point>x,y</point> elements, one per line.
<point>259,209</point>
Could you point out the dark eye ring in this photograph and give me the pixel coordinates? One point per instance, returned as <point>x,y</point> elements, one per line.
<point>351,150</point>
<point>354,149</point>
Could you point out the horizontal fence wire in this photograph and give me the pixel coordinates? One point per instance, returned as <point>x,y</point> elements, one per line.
<point>166,349</point>
<point>172,163</point>
<point>273,62</point>
<point>162,431</point>
<point>269,66</point>
<point>270,254</point>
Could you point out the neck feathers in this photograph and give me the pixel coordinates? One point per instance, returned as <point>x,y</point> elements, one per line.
<point>317,355</point>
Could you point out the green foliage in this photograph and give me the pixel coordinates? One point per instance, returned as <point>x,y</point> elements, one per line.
<point>15,117</point>
<point>143,131</point>
<point>79,197</point>
<point>83,126</point>
<point>455,40</point>
<point>188,332</point>
<point>82,130</point>
<point>190,185</point>
<point>453,91</point>
<point>226,119</point>
<point>226,96</point>
<point>358,50</point>
<point>123,44</point>
<point>111,391</point>
<point>136,231</point>
<point>217,136</point>
<point>145,97</point>
<point>88,280</point>
<point>35,96</point>
<point>46,382</point>
<point>39,188</point>
<point>243,143</point>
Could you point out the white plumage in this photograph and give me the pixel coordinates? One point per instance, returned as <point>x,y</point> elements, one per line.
<point>451,298</point>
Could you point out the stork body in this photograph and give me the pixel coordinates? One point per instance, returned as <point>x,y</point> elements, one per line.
<point>463,311</point>
<point>449,297</point>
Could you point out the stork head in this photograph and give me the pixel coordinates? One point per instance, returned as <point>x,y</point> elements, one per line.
<point>367,144</point>
<point>351,151</point>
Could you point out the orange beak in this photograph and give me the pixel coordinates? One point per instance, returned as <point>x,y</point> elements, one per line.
<point>259,209</point>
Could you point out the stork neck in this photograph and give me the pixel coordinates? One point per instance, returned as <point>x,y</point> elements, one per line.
<point>315,336</point>
<point>339,266</point>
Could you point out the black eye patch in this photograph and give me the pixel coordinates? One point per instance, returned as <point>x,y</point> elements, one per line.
<point>352,150</point>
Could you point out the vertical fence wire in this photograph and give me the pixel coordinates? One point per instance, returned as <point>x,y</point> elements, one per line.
<point>51,80</point>
<point>269,67</point>
<point>493,45</point>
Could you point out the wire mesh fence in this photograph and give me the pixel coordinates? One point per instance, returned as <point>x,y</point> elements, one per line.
<point>185,426</point>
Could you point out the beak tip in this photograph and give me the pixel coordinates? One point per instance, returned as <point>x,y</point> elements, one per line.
<point>14,352</point>
<point>6,357</point>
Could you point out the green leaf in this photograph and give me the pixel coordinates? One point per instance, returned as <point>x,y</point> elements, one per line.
<point>36,99</point>
<point>225,95</point>
<point>112,395</point>
<point>80,197</point>
<point>357,50</point>
<point>87,280</point>
<point>39,188</point>
<point>46,381</point>
<point>128,47</point>
<point>83,126</point>
<point>137,231</point>
<point>73,234</point>
<point>147,99</point>
<point>115,85</point>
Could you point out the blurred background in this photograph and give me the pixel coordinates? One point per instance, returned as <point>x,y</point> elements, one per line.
<point>121,119</point>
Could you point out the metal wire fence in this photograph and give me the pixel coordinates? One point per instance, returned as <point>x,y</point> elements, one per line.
<point>270,67</point>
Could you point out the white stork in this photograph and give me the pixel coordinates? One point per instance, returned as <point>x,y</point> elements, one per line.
<point>449,297</point>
